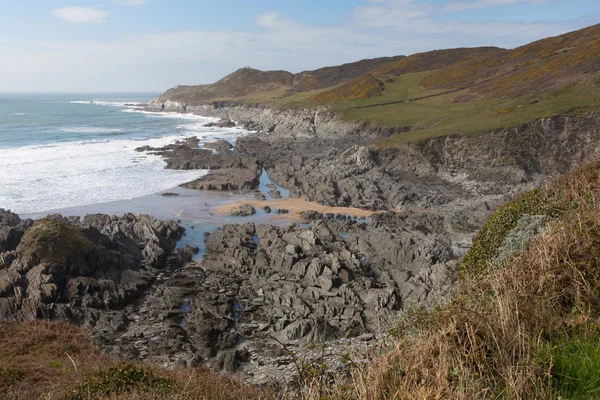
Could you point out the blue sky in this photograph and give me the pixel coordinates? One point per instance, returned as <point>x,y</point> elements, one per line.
<point>151,45</point>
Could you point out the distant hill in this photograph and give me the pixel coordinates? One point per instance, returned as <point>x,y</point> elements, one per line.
<point>243,82</point>
<point>436,59</point>
<point>440,92</point>
<point>540,66</point>
<point>251,85</point>
<point>419,62</point>
<point>332,76</point>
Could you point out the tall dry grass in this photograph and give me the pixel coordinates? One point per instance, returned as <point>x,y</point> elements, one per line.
<point>489,341</point>
<point>57,360</point>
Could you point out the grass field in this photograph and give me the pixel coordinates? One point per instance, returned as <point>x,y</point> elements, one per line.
<point>440,115</point>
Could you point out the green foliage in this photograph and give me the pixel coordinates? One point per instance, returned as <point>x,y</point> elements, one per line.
<point>10,376</point>
<point>443,115</point>
<point>121,379</point>
<point>571,192</point>
<point>54,241</point>
<point>489,239</point>
<point>574,366</point>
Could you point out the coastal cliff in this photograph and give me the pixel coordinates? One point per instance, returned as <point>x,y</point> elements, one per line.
<point>458,184</point>
<point>319,156</point>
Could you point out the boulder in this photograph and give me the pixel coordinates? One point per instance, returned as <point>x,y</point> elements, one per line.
<point>243,210</point>
<point>228,179</point>
<point>218,146</point>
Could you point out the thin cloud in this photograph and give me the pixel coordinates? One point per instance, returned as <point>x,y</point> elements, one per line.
<point>482,4</point>
<point>130,2</point>
<point>379,28</point>
<point>80,15</point>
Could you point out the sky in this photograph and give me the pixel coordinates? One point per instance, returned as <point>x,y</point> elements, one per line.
<point>152,45</point>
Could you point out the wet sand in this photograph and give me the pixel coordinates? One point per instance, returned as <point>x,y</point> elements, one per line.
<point>294,206</point>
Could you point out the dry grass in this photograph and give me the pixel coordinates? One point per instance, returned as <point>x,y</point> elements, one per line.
<point>364,87</point>
<point>526,328</point>
<point>539,66</point>
<point>492,339</point>
<point>55,360</point>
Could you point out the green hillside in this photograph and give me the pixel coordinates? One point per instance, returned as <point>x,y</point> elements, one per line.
<point>441,92</point>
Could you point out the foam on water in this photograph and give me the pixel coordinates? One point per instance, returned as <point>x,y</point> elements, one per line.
<point>172,115</point>
<point>41,178</point>
<point>96,161</point>
<point>102,103</point>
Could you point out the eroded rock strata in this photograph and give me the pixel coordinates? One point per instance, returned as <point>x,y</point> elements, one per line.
<point>260,290</point>
<point>263,292</point>
<point>75,269</point>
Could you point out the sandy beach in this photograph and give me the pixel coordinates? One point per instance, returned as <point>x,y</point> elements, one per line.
<point>295,206</point>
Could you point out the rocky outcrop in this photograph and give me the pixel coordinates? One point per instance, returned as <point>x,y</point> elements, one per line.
<point>275,194</point>
<point>322,158</point>
<point>434,172</point>
<point>336,175</point>
<point>182,156</point>
<point>296,123</point>
<point>263,291</point>
<point>231,179</point>
<point>228,170</point>
<point>223,123</point>
<point>76,270</point>
<point>243,210</point>
<point>12,229</point>
<point>218,146</point>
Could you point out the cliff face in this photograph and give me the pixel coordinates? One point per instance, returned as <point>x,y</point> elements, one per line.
<point>295,123</point>
<point>509,156</point>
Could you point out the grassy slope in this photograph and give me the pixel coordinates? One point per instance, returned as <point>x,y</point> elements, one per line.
<point>53,360</point>
<point>273,88</point>
<point>438,116</point>
<point>539,66</point>
<point>522,326</point>
<point>487,89</point>
<point>466,91</point>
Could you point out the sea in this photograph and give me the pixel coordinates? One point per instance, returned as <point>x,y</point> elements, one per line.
<point>75,154</point>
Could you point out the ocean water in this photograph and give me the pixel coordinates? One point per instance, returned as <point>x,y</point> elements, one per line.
<point>64,151</point>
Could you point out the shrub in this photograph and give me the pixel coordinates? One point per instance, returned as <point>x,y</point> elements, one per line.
<point>121,379</point>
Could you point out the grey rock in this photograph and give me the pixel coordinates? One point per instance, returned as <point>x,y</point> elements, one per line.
<point>276,194</point>
<point>260,196</point>
<point>243,210</point>
<point>219,146</point>
<point>228,179</point>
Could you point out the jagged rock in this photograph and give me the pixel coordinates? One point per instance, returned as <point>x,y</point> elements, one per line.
<point>183,156</point>
<point>243,210</point>
<point>226,179</point>
<point>260,196</point>
<point>223,123</point>
<point>65,268</point>
<point>219,146</point>
<point>12,229</point>
<point>276,194</point>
